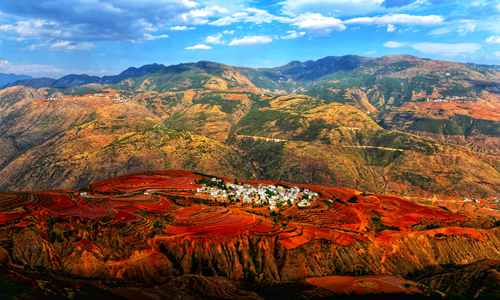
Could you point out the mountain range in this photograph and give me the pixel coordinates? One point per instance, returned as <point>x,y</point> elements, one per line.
<point>8,78</point>
<point>396,124</point>
<point>73,80</point>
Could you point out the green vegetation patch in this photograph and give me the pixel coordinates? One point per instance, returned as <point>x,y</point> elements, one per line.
<point>226,106</point>
<point>73,91</point>
<point>257,122</point>
<point>439,126</point>
<point>457,125</point>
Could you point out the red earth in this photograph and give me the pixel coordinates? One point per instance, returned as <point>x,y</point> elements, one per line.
<point>332,217</point>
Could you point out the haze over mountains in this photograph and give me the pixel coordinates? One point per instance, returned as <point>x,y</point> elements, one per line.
<point>78,80</point>
<point>8,78</point>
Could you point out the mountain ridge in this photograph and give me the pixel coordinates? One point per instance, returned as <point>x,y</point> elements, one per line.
<point>74,80</point>
<point>8,78</point>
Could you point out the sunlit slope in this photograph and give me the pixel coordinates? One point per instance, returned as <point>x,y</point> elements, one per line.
<point>301,139</point>
<point>115,146</point>
<point>201,75</point>
<point>214,114</point>
<point>77,140</point>
<point>28,123</point>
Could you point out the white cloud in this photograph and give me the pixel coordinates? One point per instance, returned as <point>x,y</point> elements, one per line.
<point>392,44</point>
<point>497,53</point>
<point>181,28</point>
<point>390,28</point>
<point>446,49</point>
<point>493,39</point>
<point>318,24</point>
<point>32,29</point>
<point>229,32</point>
<point>464,29</point>
<point>371,52</point>
<point>8,67</point>
<point>71,46</point>
<point>199,47</point>
<point>439,31</point>
<point>314,23</point>
<point>215,39</point>
<point>92,21</point>
<point>62,46</point>
<point>200,16</point>
<point>293,35</point>
<point>250,41</point>
<point>148,37</point>
<point>397,19</point>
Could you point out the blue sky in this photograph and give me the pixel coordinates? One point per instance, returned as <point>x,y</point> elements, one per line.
<point>104,37</point>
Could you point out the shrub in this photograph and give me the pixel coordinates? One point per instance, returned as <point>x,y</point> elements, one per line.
<point>60,239</point>
<point>53,237</point>
<point>8,288</point>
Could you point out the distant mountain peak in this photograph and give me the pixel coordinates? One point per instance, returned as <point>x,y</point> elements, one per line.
<point>73,80</point>
<point>11,77</point>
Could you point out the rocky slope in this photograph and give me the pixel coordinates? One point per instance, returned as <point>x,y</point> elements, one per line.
<point>479,279</point>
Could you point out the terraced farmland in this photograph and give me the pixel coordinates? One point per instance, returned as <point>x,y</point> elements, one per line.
<point>146,225</point>
<point>340,216</point>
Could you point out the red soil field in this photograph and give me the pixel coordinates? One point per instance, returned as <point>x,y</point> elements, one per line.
<point>7,217</point>
<point>364,284</point>
<point>23,224</point>
<point>125,217</point>
<point>332,217</point>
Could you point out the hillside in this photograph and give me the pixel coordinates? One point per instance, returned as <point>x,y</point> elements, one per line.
<point>444,101</point>
<point>79,140</point>
<point>135,233</point>
<point>175,111</point>
<point>182,77</point>
<point>337,145</point>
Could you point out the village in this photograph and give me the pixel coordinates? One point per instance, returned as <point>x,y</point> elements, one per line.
<point>454,98</point>
<point>272,195</point>
<point>110,94</point>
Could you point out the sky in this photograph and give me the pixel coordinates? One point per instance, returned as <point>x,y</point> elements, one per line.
<point>52,38</point>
